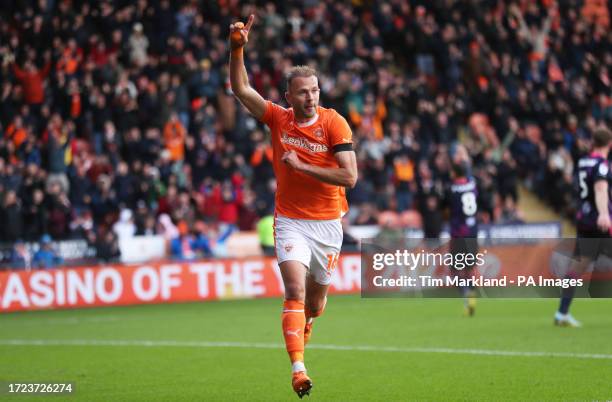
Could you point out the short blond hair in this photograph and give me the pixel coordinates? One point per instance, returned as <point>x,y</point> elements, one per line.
<point>299,71</point>
<point>602,137</point>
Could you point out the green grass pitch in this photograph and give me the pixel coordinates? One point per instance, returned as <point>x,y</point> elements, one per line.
<point>362,350</point>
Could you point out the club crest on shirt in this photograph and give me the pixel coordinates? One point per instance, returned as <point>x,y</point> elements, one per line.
<point>318,133</point>
<point>288,247</point>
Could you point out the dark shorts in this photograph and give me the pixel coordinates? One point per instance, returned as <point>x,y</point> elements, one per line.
<point>591,243</point>
<point>468,245</point>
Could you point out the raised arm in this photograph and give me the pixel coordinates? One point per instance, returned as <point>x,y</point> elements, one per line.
<point>239,79</point>
<point>19,73</point>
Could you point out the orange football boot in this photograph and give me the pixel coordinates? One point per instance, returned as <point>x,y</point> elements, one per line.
<point>301,384</point>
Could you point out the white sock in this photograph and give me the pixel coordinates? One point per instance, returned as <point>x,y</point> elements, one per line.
<point>298,366</point>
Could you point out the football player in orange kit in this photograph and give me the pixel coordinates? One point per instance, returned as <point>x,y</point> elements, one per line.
<point>313,162</point>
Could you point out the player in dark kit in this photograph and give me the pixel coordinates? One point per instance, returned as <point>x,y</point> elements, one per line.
<point>463,204</point>
<point>593,218</point>
<point>462,201</point>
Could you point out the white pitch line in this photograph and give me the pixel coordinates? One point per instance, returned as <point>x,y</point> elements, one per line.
<point>257,345</point>
<point>63,321</point>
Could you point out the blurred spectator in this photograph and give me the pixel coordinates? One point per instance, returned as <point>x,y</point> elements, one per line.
<point>125,228</point>
<point>59,153</point>
<point>166,228</point>
<point>12,221</point>
<point>403,174</point>
<point>144,220</point>
<point>58,210</point>
<point>559,176</point>
<point>138,44</point>
<point>217,237</point>
<point>265,231</point>
<point>430,201</point>
<point>107,247</point>
<point>510,214</point>
<point>16,132</point>
<point>20,256</point>
<point>186,246</point>
<point>174,136</point>
<point>33,80</point>
<point>261,161</point>
<point>81,224</point>
<point>46,257</point>
<point>35,216</point>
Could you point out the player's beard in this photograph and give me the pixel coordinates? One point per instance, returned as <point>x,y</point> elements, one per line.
<point>309,111</point>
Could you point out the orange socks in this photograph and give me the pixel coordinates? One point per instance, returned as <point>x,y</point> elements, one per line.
<point>294,320</point>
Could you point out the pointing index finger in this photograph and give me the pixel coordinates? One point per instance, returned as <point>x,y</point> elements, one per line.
<point>249,22</point>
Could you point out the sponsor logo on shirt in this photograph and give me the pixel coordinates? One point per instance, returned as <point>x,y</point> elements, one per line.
<point>303,143</point>
<point>603,169</point>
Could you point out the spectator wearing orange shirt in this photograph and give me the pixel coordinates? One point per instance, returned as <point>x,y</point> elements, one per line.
<point>16,132</point>
<point>33,80</point>
<point>370,120</point>
<point>261,161</point>
<point>174,136</point>
<point>403,172</point>
<point>71,58</point>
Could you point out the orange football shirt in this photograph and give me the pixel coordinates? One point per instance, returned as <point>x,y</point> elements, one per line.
<point>299,195</point>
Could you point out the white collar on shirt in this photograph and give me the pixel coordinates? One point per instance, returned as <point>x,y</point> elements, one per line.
<point>309,122</point>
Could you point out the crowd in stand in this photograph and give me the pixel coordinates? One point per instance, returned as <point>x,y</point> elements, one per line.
<point>116,118</point>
